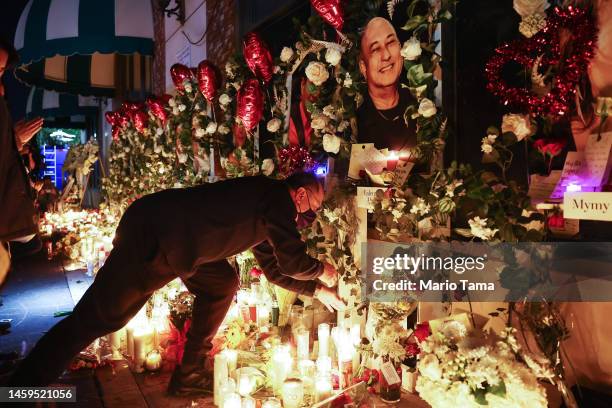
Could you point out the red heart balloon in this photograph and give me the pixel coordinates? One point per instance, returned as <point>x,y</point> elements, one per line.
<point>116,130</point>
<point>112,117</point>
<point>209,79</point>
<point>123,119</point>
<point>330,11</point>
<point>157,109</point>
<point>179,74</point>
<point>258,57</point>
<point>250,104</point>
<point>140,120</point>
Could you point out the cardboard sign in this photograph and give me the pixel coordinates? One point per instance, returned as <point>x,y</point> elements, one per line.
<point>365,196</point>
<point>359,153</point>
<point>402,171</point>
<point>390,374</point>
<point>588,206</point>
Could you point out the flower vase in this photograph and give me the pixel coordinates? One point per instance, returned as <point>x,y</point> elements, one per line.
<point>390,389</point>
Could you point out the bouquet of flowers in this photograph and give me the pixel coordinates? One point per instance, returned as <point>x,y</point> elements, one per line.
<point>470,369</point>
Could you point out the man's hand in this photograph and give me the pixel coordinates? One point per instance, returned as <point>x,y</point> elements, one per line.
<point>24,131</point>
<point>329,298</point>
<point>330,275</point>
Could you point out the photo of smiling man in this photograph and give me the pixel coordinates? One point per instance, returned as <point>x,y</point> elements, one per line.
<point>380,119</point>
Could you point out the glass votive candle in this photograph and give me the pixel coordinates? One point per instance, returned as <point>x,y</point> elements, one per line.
<point>245,384</point>
<point>293,393</point>
<point>323,387</point>
<point>249,402</point>
<point>232,400</point>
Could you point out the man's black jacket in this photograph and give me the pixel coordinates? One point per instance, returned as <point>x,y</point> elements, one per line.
<point>211,222</point>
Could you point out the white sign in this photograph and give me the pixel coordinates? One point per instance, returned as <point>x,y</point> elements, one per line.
<point>365,196</point>
<point>588,206</point>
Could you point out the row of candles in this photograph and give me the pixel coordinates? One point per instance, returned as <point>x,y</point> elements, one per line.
<point>307,380</point>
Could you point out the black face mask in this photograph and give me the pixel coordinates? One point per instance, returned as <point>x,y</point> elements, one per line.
<point>306,219</point>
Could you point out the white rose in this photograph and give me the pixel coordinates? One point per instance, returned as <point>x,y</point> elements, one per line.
<point>211,128</point>
<point>318,122</point>
<point>159,131</point>
<point>267,167</point>
<point>317,73</point>
<point>333,56</point>
<point>411,49</point>
<point>492,138</point>
<point>182,107</point>
<point>528,7</point>
<point>273,125</point>
<point>343,126</point>
<point>224,99</point>
<point>328,111</point>
<point>486,148</point>
<point>331,143</point>
<point>188,88</point>
<point>286,54</point>
<point>200,133</point>
<point>430,367</point>
<point>518,124</point>
<point>175,111</point>
<point>230,70</point>
<point>182,157</point>
<point>223,130</point>
<point>427,108</point>
<point>172,102</point>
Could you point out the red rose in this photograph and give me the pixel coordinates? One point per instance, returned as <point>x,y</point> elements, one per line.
<point>549,146</point>
<point>422,331</point>
<point>389,193</point>
<point>255,272</point>
<point>556,221</point>
<point>412,349</point>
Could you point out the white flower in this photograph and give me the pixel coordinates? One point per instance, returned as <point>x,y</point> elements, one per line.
<point>211,128</point>
<point>286,54</point>
<point>172,102</point>
<point>427,108</point>
<point>318,122</point>
<point>518,124</point>
<point>486,146</point>
<point>182,158</point>
<point>348,81</point>
<point>480,230</point>
<point>411,49</point>
<point>453,330</point>
<point>492,138</point>
<point>224,99</point>
<point>197,107</point>
<point>159,131</point>
<point>267,167</point>
<point>273,125</point>
<point>529,7</point>
<point>175,111</point>
<point>316,72</point>
<point>420,207</point>
<point>331,143</point>
<point>450,189</point>
<point>223,130</point>
<point>182,107</point>
<point>333,56</point>
<point>429,366</point>
<point>157,149</point>
<point>343,126</point>
<point>200,133</point>
<point>230,70</point>
<point>188,88</point>
<point>329,111</point>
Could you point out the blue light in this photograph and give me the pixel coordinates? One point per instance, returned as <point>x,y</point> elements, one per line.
<point>321,170</point>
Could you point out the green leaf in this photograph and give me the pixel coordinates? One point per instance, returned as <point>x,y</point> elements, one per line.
<point>499,389</point>
<point>414,22</point>
<point>480,396</point>
<point>417,76</point>
<point>509,138</point>
<point>490,157</point>
<point>464,232</point>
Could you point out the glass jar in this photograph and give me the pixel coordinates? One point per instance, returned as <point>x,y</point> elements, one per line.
<point>390,389</point>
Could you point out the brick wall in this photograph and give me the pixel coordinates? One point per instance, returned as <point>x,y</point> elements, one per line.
<point>222,31</point>
<point>159,53</point>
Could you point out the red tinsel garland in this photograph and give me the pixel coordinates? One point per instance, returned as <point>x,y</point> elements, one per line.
<point>547,43</point>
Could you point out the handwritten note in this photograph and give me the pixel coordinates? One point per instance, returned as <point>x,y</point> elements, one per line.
<point>402,171</point>
<point>365,196</point>
<point>597,157</point>
<point>542,187</point>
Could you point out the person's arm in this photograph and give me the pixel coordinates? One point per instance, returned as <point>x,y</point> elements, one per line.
<point>24,131</point>
<point>287,246</point>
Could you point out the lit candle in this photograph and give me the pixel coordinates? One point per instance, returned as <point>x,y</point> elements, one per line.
<point>293,393</point>
<point>271,403</point>
<point>221,375</point>
<point>143,343</point>
<point>573,187</point>
<point>249,402</point>
<point>323,388</point>
<point>392,160</point>
<point>114,341</point>
<point>231,357</point>
<point>245,384</point>
<point>130,341</point>
<point>281,366</point>
<point>303,347</point>
<point>153,361</point>
<point>324,364</point>
<point>306,369</point>
<point>226,390</point>
<point>232,401</point>
<point>263,315</point>
<point>323,332</point>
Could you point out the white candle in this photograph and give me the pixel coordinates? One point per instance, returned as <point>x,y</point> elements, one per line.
<point>281,366</point>
<point>221,375</point>
<point>324,365</point>
<point>114,341</point>
<point>227,389</point>
<point>153,361</point>
<point>306,369</point>
<point>293,393</point>
<point>231,357</point>
<point>143,343</point>
<point>232,401</point>
<point>303,344</point>
<point>323,388</point>
<point>130,341</point>
<point>245,384</point>
<point>249,402</point>
<point>323,332</point>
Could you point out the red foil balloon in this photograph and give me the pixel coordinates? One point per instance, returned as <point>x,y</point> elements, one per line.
<point>156,107</point>
<point>112,117</point>
<point>209,80</point>
<point>140,120</point>
<point>123,119</point>
<point>179,74</point>
<point>116,130</point>
<point>239,134</point>
<point>258,57</point>
<point>250,104</point>
<point>330,11</point>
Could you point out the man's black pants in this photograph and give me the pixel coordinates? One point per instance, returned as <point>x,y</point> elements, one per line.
<point>132,272</point>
